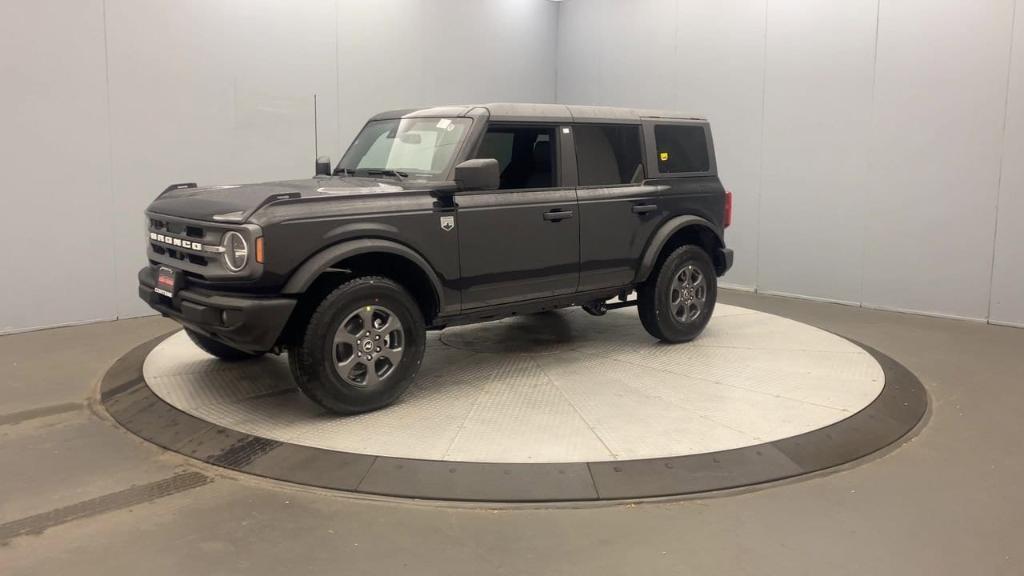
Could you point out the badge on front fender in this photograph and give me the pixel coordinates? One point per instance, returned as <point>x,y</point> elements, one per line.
<point>447,223</point>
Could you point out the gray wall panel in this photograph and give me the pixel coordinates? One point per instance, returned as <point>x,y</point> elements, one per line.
<point>940,91</point>
<point>820,67</point>
<point>56,252</point>
<point>1008,272</point>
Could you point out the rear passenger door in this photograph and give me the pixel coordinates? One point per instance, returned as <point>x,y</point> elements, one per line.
<point>618,213</point>
<point>522,241</point>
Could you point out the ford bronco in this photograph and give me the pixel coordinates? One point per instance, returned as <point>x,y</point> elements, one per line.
<point>438,217</point>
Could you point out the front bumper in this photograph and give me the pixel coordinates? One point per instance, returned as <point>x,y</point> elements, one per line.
<point>249,323</point>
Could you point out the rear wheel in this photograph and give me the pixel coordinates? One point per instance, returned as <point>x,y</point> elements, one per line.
<point>219,349</point>
<point>362,347</point>
<point>677,301</point>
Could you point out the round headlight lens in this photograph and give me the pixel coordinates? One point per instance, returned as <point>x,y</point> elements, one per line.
<point>236,251</point>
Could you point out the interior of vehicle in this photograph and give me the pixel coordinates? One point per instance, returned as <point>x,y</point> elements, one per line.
<point>525,155</point>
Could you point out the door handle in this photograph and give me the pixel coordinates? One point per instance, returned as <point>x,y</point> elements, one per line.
<point>556,215</point>
<point>644,208</point>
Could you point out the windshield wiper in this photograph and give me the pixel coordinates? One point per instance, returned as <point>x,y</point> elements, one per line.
<point>387,172</point>
<point>345,171</point>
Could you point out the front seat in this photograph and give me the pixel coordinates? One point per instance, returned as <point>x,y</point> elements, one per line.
<point>540,176</point>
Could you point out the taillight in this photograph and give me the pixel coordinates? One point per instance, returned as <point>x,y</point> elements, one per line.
<point>728,210</point>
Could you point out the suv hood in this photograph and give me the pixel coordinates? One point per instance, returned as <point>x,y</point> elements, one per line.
<point>236,203</point>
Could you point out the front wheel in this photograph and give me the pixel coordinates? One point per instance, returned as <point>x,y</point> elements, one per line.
<point>677,301</point>
<point>362,347</point>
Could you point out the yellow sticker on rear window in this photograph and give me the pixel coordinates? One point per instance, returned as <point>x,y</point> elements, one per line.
<point>663,156</point>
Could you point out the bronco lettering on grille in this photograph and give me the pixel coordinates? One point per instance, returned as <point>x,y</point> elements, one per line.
<point>177,242</point>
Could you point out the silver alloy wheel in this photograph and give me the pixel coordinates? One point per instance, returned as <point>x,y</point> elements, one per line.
<point>368,346</point>
<point>688,294</point>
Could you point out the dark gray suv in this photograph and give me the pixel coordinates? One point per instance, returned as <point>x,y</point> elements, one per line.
<point>438,217</point>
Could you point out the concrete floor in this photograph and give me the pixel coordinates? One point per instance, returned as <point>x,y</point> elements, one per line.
<point>79,495</point>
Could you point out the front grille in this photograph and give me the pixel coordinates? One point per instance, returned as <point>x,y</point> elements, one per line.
<point>193,247</point>
<point>191,261</point>
<point>197,260</point>
<point>180,255</point>
<point>171,227</point>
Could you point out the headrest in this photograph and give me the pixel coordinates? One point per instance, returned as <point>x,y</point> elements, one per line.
<point>541,153</point>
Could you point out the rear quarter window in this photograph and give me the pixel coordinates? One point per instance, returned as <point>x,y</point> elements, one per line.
<point>681,148</point>
<point>608,155</point>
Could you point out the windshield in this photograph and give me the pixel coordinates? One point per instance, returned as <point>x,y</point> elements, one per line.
<point>415,148</point>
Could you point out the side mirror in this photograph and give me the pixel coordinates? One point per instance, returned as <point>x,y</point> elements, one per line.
<point>323,166</point>
<point>478,174</point>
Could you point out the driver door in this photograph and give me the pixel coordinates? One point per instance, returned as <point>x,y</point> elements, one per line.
<point>522,241</point>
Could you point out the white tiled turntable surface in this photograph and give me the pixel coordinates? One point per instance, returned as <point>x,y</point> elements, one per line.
<point>559,387</point>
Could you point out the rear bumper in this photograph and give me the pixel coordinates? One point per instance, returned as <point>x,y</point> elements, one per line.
<point>249,323</point>
<point>723,261</point>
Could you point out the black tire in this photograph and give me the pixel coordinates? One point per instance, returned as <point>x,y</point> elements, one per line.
<point>661,301</point>
<point>314,360</point>
<point>219,349</point>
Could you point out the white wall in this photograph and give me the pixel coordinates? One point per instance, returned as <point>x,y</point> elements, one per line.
<point>1008,272</point>
<point>873,146</point>
<point>105,102</point>
<point>863,140</point>
<point>56,243</point>
<point>817,127</point>
<point>940,93</point>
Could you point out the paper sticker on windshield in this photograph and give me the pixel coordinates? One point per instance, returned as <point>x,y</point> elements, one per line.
<point>447,223</point>
<point>663,156</point>
<point>443,123</point>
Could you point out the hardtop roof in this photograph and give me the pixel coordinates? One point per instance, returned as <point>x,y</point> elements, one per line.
<point>512,111</point>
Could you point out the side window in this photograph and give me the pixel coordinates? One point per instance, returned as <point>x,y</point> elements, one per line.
<point>681,148</point>
<point>526,155</point>
<point>608,154</point>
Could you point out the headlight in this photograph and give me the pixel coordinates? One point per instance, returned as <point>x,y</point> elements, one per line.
<point>236,251</point>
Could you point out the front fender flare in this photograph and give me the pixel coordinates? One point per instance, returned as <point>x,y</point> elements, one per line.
<point>311,269</point>
<point>658,240</point>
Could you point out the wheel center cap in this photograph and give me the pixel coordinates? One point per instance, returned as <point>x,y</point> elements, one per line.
<point>367,346</point>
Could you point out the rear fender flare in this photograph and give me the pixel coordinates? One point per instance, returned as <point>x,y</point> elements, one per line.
<point>658,240</point>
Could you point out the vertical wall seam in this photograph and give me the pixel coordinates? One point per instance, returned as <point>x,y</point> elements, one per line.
<point>871,135</point>
<point>558,40</point>
<point>110,165</point>
<point>337,82</point>
<point>760,158</point>
<point>1002,157</point>
<point>676,94</point>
